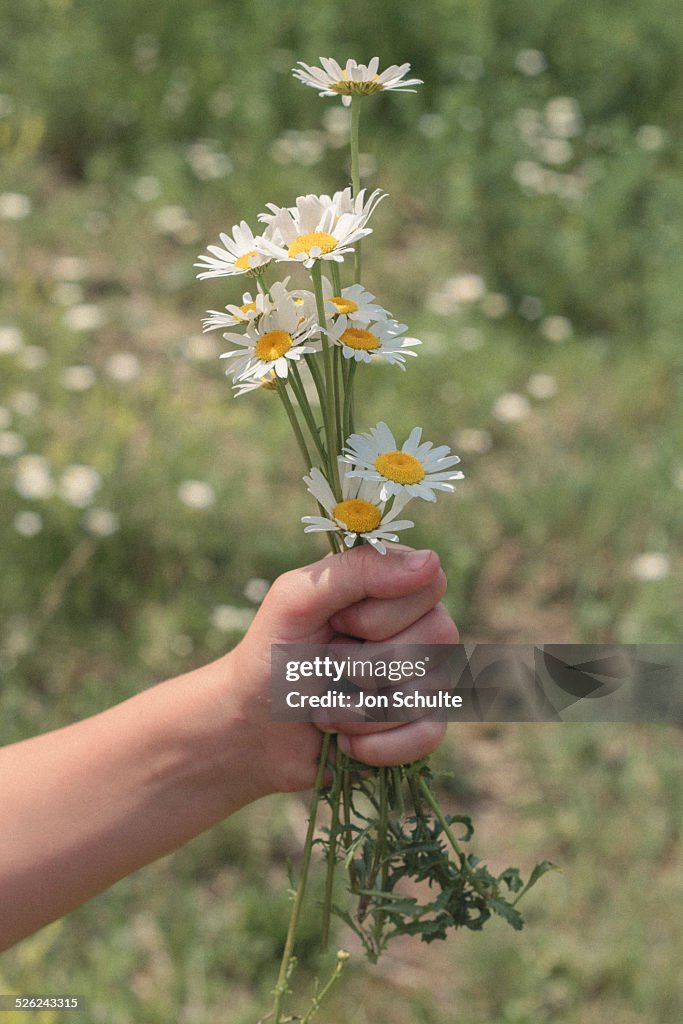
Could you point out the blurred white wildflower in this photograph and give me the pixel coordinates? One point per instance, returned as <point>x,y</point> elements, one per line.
<point>11,443</point>
<point>470,339</point>
<point>33,478</point>
<point>181,645</point>
<point>32,357</point>
<point>529,175</point>
<point>229,619</point>
<point>220,103</point>
<point>78,378</point>
<point>495,305</point>
<point>14,206</point>
<point>471,67</point>
<point>11,340</point>
<point>28,524</point>
<point>207,162</point>
<point>466,288</point>
<point>68,293</point>
<point>473,441</point>
<point>24,403</point>
<point>101,522</point>
<point>201,347</point>
<point>69,268</point>
<point>557,329</point>
<point>122,367</point>
<point>5,417</point>
<point>651,566</point>
<point>196,494</point>
<point>176,222</point>
<point>86,316</point>
<point>306,148</point>
<point>531,62</point>
<point>563,117</point>
<point>147,188</point>
<point>336,124</point>
<point>79,484</point>
<point>511,407</point>
<point>650,137</point>
<point>256,589</point>
<point>145,52</point>
<point>556,151</point>
<point>542,386</point>
<point>431,125</point>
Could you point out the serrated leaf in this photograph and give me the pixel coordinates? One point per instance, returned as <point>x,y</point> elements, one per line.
<point>507,911</point>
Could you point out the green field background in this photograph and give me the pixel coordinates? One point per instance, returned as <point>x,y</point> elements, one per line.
<point>532,240</point>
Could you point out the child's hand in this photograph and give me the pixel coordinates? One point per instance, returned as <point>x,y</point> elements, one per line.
<point>361,594</point>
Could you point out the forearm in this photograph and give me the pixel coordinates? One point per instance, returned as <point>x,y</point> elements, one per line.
<point>85,805</point>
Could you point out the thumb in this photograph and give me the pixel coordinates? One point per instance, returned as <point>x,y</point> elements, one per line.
<point>302,601</point>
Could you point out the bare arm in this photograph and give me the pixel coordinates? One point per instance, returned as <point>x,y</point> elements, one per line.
<point>83,806</point>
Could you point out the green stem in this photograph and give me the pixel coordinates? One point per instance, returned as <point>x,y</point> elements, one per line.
<point>329,409</point>
<point>334,800</point>
<point>281,984</point>
<point>303,447</point>
<point>296,427</point>
<point>305,406</point>
<point>448,831</point>
<point>336,278</point>
<point>355,169</point>
<point>320,996</point>
<point>348,400</point>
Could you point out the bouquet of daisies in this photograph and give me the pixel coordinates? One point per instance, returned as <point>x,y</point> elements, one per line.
<point>306,340</point>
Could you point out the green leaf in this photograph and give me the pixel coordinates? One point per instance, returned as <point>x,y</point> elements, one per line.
<point>506,910</point>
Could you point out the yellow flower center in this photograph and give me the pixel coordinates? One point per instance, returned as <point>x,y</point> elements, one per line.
<point>248,307</point>
<point>400,467</point>
<point>345,306</point>
<point>347,88</point>
<point>356,337</point>
<point>357,515</point>
<point>242,262</point>
<point>304,243</point>
<point>273,345</point>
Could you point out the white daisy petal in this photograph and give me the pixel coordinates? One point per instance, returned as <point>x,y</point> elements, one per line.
<point>360,514</point>
<point>317,227</point>
<point>417,470</point>
<point>354,79</point>
<point>237,255</point>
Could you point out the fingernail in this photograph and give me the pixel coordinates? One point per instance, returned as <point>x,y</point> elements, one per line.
<point>415,560</point>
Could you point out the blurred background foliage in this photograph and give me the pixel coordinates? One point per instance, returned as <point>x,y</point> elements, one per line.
<point>532,240</point>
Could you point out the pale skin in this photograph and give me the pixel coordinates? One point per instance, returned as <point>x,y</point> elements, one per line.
<point>85,805</point>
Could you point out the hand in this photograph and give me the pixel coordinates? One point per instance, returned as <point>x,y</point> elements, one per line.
<point>358,593</point>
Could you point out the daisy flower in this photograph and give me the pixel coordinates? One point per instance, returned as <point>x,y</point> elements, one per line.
<point>318,227</point>
<point>361,340</point>
<point>268,383</point>
<point>416,470</point>
<point>270,342</point>
<point>361,79</point>
<point>251,307</point>
<point>237,255</point>
<point>353,302</point>
<point>360,513</point>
